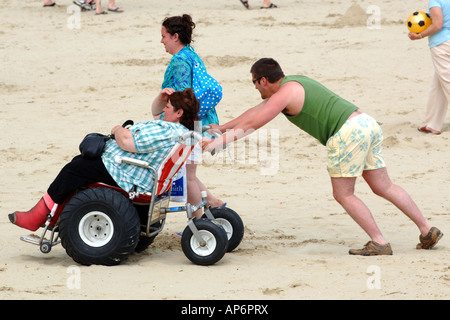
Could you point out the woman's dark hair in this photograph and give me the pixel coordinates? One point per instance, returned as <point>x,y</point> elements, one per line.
<point>267,68</point>
<point>187,101</point>
<point>183,25</point>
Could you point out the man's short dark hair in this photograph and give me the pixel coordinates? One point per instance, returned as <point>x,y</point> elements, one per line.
<point>267,68</point>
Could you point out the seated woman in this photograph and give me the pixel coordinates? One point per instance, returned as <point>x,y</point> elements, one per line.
<point>148,141</point>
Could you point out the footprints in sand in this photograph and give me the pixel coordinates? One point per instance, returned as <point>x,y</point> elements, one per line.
<point>271,240</point>
<point>141,62</point>
<point>228,61</point>
<point>267,241</point>
<point>225,61</point>
<point>13,154</point>
<point>405,134</point>
<point>278,290</point>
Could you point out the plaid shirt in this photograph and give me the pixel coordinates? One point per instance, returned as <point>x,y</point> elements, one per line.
<point>153,141</point>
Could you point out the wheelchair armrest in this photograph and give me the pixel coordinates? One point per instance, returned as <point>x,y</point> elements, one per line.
<point>136,162</point>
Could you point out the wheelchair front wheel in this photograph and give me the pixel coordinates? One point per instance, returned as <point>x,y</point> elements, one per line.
<point>211,249</point>
<point>231,223</point>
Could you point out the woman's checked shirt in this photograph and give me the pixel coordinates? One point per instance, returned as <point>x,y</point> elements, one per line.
<point>153,141</point>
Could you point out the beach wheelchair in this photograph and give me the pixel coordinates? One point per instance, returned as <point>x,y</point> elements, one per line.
<point>103,225</point>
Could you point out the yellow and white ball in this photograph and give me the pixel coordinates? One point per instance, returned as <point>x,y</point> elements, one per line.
<point>418,21</point>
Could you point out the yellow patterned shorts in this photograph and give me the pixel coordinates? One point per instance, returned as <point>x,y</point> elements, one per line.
<point>356,147</point>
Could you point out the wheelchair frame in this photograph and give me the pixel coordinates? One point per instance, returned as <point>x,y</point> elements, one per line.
<point>158,204</point>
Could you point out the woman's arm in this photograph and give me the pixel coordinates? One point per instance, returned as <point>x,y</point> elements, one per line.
<point>124,138</point>
<point>160,102</point>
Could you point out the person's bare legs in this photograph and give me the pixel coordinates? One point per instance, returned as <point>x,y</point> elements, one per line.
<point>381,185</point>
<point>344,193</point>
<point>267,3</point>
<point>112,6</point>
<point>194,188</point>
<point>98,7</point>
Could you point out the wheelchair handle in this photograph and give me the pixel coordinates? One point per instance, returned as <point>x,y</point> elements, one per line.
<point>191,135</point>
<point>216,135</point>
<point>213,133</point>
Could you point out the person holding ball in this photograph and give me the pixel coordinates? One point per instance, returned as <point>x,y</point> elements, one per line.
<point>438,34</point>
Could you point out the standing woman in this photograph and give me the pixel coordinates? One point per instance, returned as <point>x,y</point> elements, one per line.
<point>176,35</point>
<point>438,34</point>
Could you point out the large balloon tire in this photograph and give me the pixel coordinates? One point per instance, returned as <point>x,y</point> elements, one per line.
<point>216,243</point>
<point>232,224</point>
<point>99,226</point>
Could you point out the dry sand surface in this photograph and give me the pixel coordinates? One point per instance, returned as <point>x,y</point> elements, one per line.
<point>58,83</point>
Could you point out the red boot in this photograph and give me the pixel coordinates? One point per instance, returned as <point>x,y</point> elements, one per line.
<point>34,218</point>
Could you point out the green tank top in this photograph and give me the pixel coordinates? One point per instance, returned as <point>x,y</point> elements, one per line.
<point>323,112</point>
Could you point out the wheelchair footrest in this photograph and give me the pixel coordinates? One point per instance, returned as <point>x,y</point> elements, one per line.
<point>33,239</point>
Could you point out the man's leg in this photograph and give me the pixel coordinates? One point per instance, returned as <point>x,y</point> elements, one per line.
<point>344,193</point>
<point>381,185</point>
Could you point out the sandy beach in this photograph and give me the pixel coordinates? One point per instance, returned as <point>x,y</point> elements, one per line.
<point>65,74</point>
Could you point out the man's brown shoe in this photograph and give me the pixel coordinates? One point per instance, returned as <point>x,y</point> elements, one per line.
<point>372,249</point>
<point>430,240</point>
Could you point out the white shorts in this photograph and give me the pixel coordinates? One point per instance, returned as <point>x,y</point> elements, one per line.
<point>196,154</point>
